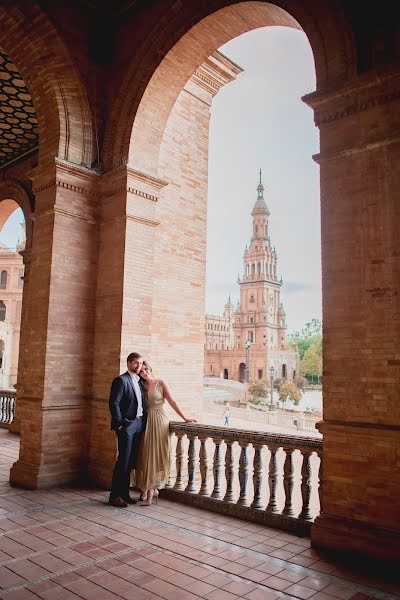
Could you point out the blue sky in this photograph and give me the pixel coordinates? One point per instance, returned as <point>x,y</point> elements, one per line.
<point>258,121</point>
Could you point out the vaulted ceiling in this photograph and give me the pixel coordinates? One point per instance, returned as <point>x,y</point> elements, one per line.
<point>18,123</point>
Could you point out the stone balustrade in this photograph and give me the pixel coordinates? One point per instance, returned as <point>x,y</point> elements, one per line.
<point>266,478</point>
<point>7,407</point>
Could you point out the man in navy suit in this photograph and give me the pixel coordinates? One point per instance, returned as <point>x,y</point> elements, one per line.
<point>127,420</point>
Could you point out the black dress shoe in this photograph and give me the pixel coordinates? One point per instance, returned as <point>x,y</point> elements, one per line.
<point>118,502</point>
<point>131,500</point>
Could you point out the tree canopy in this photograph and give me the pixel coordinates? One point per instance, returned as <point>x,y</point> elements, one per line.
<point>309,344</point>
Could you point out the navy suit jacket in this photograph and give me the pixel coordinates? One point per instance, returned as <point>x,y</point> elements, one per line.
<point>123,401</point>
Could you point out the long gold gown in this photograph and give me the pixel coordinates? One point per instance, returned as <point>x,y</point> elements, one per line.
<point>153,467</point>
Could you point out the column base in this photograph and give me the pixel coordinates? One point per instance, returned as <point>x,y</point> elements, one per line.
<point>356,540</point>
<point>32,476</point>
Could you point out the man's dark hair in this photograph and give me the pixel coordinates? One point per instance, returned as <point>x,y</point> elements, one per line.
<point>133,355</point>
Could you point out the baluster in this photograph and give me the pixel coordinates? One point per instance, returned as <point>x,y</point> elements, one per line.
<point>180,453</point>
<point>12,410</point>
<point>306,486</point>
<point>8,410</point>
<point>272,480</point>
<point>288,482</point>
<point>2,414</point>
<point>217,470</point>
<point>203,467</point>
<point>320,480</point>
<point>243,474</point>
<point>257,476</point>
<point>172,464</point>
<point>191,486</point>
<point>229,473</point>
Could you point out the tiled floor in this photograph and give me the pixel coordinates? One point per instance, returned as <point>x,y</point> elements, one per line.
<point>67,543</point>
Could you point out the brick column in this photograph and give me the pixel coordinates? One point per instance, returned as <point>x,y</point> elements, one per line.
<point>124,297</point>
<point>56,353</point>
<point>15,426</point>
<point>360,176</point>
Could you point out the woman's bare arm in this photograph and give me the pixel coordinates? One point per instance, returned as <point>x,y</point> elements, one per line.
<point>171,402</point>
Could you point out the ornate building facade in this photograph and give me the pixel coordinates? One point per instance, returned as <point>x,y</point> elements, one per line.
<point>11,287</point>
<point>259,317</point>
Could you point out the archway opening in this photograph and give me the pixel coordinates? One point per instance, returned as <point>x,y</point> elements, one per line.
<point>170,142</point>
<point>12,245</point>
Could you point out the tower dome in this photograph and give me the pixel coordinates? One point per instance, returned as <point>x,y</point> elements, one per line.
<point>260,207</point>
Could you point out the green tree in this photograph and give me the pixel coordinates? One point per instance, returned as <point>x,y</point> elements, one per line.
<point>311,334</point>
<point>311,365</point>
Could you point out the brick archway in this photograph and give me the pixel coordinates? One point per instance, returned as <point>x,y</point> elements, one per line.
<point>59,97</point>
<point>12,193</point>
<point>150,87</point>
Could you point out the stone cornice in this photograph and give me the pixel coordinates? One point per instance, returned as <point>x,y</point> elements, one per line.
<point>124,171</point>
<point>136,218</point>
<point>57,174</point>
<point>130,190</point>
<point>347,152</point>
<point>215,72</point>
<point>357,96</point>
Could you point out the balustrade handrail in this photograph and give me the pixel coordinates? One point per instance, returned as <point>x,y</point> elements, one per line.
<point>264,477</point>
<point>246,435</point>
<point>10,393</point>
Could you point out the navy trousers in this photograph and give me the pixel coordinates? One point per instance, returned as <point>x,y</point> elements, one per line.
<point>128,448</point>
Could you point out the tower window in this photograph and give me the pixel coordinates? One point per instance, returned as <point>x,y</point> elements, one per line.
<point>3,280</point>
<point>2,311</point>
<point>251,298</point>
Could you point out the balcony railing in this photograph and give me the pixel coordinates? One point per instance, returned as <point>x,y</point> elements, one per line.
<point>266,478</point>
<point>7,407</point>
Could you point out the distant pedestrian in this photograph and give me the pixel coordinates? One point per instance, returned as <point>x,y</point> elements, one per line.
<point>227,414</point>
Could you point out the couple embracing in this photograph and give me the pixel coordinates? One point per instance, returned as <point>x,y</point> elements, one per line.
<point>142,427</point>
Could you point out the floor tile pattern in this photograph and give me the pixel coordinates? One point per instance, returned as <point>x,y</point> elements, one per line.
<point>66,543</point>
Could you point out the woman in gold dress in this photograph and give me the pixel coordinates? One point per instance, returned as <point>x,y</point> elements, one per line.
<point>152,471</point>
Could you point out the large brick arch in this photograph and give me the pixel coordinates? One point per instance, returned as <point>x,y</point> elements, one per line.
<point>64,118</point>
<point>183,39</point>
<point>12,193</point>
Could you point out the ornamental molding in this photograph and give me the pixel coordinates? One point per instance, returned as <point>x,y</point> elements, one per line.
<point>136,218</point>
<point>130,190</point>
<point>321,158</point>
<point>356,97</point>
<point>55,210</point>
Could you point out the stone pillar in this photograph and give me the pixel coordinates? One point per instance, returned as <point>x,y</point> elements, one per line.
<point>56,352</point>
<point>360,177</point>
<point>15,426</point>
<point>124,297</point>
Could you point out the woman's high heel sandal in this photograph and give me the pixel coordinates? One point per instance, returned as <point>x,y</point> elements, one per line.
<point>150,502</point>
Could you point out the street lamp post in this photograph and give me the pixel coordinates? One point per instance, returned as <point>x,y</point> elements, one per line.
<point>271,374</point>
<point>247,368</point>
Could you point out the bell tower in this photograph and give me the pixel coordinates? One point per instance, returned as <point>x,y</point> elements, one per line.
<point>258,317</point>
